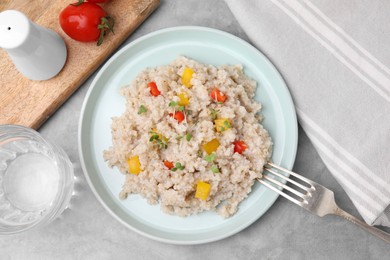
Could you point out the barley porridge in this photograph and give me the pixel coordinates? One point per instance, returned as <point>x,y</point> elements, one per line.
<point>190,138</point>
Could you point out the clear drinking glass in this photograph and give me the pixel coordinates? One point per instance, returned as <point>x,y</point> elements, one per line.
<point>36,179</point>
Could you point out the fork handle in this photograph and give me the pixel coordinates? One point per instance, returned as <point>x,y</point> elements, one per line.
<point>373,230</point>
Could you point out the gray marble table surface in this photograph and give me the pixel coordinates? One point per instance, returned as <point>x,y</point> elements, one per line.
<point>285,231</point>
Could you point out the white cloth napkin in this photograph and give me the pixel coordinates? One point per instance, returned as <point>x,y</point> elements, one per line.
<point>335,59</point>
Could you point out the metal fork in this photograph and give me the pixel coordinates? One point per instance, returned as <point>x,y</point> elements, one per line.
<point>311,196</point>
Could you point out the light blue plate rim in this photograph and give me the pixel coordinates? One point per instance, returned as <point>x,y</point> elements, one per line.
<point>278,106</point>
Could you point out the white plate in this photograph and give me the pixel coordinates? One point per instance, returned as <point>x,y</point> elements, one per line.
<point>103,101</point>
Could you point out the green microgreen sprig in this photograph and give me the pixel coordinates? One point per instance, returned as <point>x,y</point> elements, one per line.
<point>226,126</point>
<point>214,169</point>
<point>176,106</point>
<point>159,140</point>
<point>210,159</point>
<point>214,113</point>
<point>178,166</point>
<point>142,109</point>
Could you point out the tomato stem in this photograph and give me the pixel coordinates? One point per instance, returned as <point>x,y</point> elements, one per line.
<point>106,25</point>
<point>78,3</point>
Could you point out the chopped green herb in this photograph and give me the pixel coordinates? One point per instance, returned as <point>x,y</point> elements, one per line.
<point>153,137</point>
<point>188,137</point>
<point>222,129</point>
<point>162,144</point>
<point>178,166</point>
<point>200,153</point>
<point>214,113</point>
<point>173,103</point>
<point>176,106</point>
<point>159,140</point>
<point>142,109</point>
<point>210,157</point>
<point>214,169</point>
<point>227,124</point>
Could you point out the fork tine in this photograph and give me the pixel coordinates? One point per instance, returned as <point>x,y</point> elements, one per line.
<point>278,183</point>
<point>289,172</point>
<point>279,191</point>
<point>287,179</point>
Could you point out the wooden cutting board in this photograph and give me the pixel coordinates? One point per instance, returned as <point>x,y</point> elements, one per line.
<point>30,103</point>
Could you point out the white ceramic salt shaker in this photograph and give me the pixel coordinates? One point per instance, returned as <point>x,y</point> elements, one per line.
<point>37,52</point>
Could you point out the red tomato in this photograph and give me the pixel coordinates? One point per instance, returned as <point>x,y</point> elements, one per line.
<point>218,95</point>
<point>168,164</point>
<point>85,22</point>
<point>153,89</point>
<point>240,146</point>
<point>97,1</point>
<point>179,116</point>
<point>91,1</point>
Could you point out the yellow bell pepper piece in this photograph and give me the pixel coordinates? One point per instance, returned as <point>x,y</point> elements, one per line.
<point>134,165</point>
<point>202,190</point>
<point>222,124</point>
<point>186,77</point>
<point>183,99</point>
<point>211,146</point>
